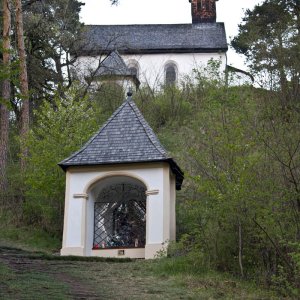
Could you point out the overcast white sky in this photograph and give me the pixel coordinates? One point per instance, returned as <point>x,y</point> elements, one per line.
<point>166,12</point>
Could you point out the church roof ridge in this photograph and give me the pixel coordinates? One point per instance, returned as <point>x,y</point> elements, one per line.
<point>153,38</point>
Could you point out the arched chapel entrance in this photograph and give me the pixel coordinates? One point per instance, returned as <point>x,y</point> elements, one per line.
<point>118,210</point>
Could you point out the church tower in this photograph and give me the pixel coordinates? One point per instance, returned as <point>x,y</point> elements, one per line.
<point>203,11</point>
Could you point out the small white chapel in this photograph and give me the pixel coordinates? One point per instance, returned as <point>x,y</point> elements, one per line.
<point>120,191</point>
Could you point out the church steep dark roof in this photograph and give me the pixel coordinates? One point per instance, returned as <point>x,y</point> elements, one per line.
<point>157,38</point>
<point>125,138</point>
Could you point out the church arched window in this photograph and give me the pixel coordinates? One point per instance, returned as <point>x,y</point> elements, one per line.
<point>170,73</point>
<point>133,66</point>
<point>134,71</point>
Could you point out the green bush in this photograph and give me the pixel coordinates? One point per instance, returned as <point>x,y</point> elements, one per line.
<point>60,129</point>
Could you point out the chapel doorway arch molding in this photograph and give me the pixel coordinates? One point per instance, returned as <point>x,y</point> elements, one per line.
<point>116,215</point>
<point>112,176</point>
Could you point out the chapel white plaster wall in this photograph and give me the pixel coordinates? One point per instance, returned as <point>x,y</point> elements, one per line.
<point>89,224</point>
<point>152,65</point>
<point>80,182</point>
<point>172,207</point>
<point>166,209</point>
<point>74,222</point>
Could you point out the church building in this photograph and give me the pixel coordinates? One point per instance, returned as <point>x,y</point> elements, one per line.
<point>152,55</point>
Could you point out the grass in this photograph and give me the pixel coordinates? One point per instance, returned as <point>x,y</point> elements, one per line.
<point>29,262</point>
<point>131,280</point>
<point>62,278</point>
<point>26,237</point>
<point>29,238</point>
<point>29,285</point>
<point>45,276</point>
<point>208,284</point>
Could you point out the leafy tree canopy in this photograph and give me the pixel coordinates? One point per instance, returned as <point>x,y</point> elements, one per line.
<point>270,39</point>
<point>51,28</point>
<point>61,128</point>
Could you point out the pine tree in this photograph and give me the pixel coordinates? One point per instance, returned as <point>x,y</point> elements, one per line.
<point>23,82</point>
<point>4,125</point>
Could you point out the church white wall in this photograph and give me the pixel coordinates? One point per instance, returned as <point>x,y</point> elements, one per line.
<point>152,66</point>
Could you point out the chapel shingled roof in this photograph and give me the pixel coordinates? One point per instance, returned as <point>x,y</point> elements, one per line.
<point>156,38</point>
<point>125,138</point>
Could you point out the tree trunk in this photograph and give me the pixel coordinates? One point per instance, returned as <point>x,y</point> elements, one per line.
<point>4,112</point>
<point>240,249</point>
<point>23,83</point>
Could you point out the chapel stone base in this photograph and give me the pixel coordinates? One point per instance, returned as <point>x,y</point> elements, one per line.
<point>149,252</point>
<point>154,251</point>
<point>120,253</point>
<point>74,251</point>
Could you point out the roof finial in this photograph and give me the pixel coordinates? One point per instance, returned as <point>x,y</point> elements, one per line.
<point>129,94</point>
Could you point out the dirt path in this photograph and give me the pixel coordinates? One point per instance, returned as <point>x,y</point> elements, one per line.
<point>25,275</point>
<point>21,263</point>
<point>29,276</point>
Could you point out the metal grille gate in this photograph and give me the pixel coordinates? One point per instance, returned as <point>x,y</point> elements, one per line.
<point>120,217</point>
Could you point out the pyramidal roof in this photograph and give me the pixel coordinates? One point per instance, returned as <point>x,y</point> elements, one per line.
<point>125,138</point>
<point>113,64</point>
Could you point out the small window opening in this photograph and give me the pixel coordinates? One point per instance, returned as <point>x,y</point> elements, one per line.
<point>133,67</point>
<point>134,71</point>
<point>170,74</point>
